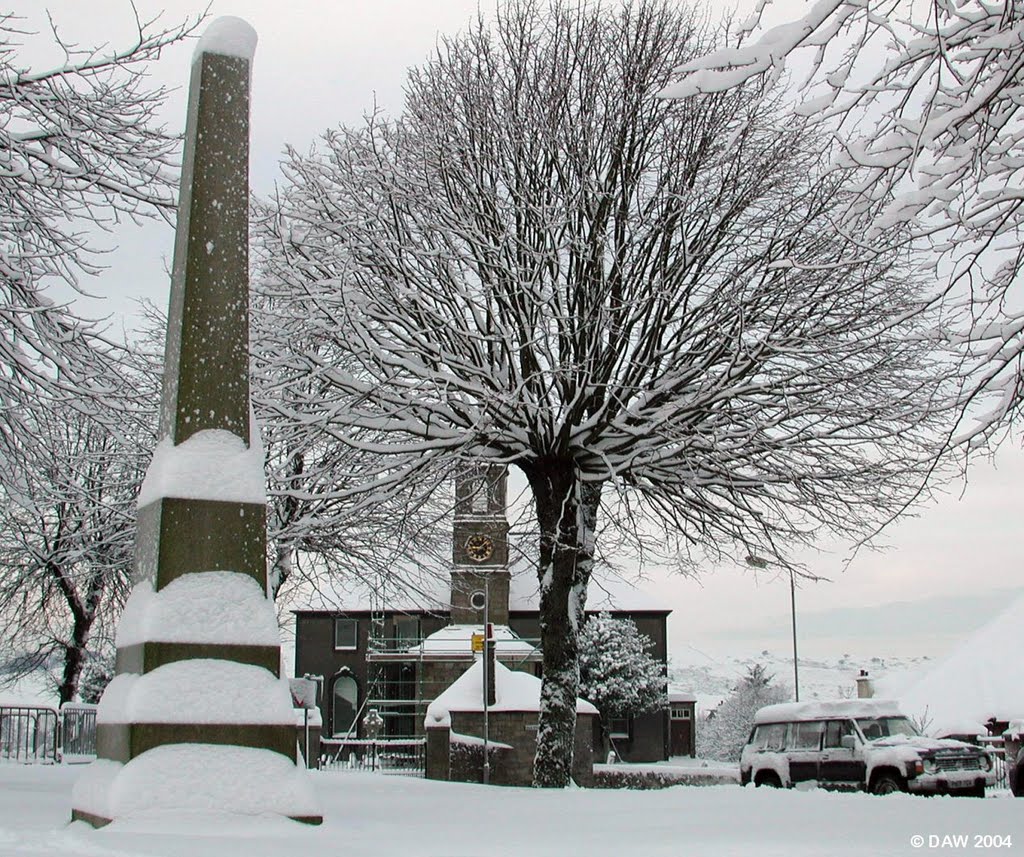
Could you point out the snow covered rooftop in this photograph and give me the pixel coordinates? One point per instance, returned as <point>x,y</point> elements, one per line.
<point>981,679</point>
<point>513,691</point>
<point>409,592</point>
<point>606,592</point>
<point>815,709</point>
<point>676,695</point>
<point>431,592</point>
<point>457,640</point>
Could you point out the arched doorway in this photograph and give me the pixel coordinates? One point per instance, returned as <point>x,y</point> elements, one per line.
<point>344,705</point>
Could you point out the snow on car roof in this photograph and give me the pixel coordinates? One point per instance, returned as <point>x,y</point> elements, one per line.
<point>815,710</point>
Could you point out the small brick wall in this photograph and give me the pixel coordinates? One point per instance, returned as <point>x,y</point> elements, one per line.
<point>437,762</point>
<point>467,762</point>
<point>513,767</point>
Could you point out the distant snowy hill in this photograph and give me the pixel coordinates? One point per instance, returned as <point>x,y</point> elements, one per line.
<point>711,677</point>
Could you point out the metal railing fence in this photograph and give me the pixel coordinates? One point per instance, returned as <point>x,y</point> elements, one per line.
<point>28,734</point>
<point>77,732</point>
<point>40,734</point>
<point>386,755</point>
<point>994,744</point>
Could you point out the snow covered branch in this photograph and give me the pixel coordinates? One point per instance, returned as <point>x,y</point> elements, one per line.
<point>81,148</point>
<point>926,99</point>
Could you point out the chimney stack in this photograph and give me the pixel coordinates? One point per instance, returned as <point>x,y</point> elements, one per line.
<point>865,689</point>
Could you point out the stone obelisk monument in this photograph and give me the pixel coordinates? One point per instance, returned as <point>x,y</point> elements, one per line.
<point>197,716</point>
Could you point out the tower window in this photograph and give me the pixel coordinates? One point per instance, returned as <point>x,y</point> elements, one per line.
<point>478,497</point>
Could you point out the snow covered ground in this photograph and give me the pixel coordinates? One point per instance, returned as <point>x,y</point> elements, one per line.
<point>367,815</point>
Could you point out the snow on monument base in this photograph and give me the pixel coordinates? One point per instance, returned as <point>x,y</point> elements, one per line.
<point>195,777</point>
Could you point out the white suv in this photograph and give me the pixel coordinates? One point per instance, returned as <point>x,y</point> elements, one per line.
<point>861,744</point>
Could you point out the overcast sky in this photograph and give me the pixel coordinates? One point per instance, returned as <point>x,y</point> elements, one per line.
<point>321,64</point>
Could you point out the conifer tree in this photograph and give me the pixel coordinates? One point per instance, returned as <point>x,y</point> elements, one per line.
<point>617,672</point>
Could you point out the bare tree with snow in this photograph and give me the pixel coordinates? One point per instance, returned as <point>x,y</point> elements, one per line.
<point>81,149</point>
<point>926,99</point>
<point>70,477</point>
<point>319,529</point>
<point>635,301</point>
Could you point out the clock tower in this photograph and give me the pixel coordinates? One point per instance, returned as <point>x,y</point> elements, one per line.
<point>480,546</point>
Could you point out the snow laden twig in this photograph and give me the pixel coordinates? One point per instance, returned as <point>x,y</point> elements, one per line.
<point>926,100</point>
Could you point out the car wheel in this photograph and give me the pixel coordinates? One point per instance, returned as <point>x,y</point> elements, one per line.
<point>886,784</point>
<point>976,791</point>
<point>768,779</point>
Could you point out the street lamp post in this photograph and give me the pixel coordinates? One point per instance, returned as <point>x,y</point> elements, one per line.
<point>760,562</point>
<point>481,599</point>
<point>792,608</point>
<point>487,682</point>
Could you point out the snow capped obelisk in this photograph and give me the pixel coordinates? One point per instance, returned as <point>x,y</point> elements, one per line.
<point>197,717</point>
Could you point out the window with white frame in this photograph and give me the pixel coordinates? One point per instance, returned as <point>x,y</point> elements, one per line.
<point>770,736</point>
<point>346,633</point>
<point>806,736</point>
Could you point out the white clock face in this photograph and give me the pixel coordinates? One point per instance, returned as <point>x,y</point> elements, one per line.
<point>479,548</point>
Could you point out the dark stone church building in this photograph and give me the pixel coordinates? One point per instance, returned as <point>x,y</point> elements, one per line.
<point>397,654</point>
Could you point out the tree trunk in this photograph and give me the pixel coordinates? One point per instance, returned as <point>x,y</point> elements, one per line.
<point>75,655</point>
<point>567,516</point>
<point>288,509</point>
<point>83,616</point>
<point>281,567</point>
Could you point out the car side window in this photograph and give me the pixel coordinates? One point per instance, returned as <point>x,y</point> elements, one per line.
<point>835,731</point>
<point>771,736</point>
<point>806,736</point>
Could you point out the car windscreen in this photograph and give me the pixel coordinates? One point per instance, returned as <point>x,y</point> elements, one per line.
<point>875,728</point>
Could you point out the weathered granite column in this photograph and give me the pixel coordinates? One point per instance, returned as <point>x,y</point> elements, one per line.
<point>197,716</point>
